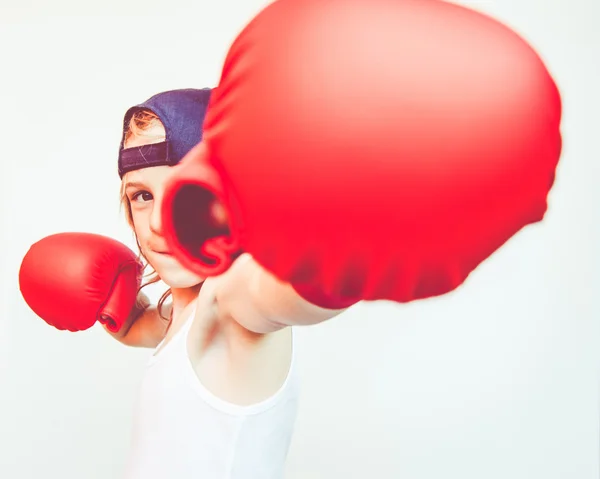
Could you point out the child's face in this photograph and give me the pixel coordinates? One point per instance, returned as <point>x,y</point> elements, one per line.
<point>145,188</point>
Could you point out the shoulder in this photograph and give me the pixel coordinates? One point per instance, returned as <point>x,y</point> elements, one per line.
<point>234,316</point>
<point>233,362</point>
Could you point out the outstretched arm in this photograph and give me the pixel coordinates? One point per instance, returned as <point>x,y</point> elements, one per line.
<point>262,303</point>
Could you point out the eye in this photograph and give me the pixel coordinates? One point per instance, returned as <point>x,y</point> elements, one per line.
<point>141,196</point>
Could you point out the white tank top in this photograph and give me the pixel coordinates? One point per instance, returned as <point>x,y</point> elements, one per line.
<point>182,431</point>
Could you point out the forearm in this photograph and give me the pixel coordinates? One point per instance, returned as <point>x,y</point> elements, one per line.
<point>262,303</point>
<point>142,303</point>
<point>147,331</point>
<point>144,327</point>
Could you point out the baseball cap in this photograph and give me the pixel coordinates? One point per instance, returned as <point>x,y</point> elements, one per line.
<point>182,113</point>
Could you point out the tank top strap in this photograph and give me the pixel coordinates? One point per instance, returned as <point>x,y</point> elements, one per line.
<point>181,335</point>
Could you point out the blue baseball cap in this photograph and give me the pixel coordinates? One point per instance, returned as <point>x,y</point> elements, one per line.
<point>182,113</point>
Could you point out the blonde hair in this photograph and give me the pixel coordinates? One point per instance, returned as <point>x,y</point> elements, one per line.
<point>144,124</point>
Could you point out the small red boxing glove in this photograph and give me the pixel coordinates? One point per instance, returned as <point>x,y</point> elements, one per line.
<point>369,149</point>
<point>72,280</point>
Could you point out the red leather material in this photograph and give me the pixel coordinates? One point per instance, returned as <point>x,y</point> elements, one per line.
<point>370,149</point>
<point>72,280</point>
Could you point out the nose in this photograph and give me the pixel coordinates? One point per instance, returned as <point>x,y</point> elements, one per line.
<point>155,217</point>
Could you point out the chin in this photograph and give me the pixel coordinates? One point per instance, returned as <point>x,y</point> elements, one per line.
<point>176,276</point>
<point>180,280</point>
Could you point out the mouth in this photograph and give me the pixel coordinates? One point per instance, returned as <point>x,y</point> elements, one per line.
<point>162,252</point>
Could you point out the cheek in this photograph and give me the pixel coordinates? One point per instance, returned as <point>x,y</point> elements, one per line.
<point>141,226</point>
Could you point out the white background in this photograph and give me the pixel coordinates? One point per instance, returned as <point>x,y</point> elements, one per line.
<point>497,380</point>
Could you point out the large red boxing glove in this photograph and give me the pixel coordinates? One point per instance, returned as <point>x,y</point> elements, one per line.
<point>72,280</point>
<point>370,149</point>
